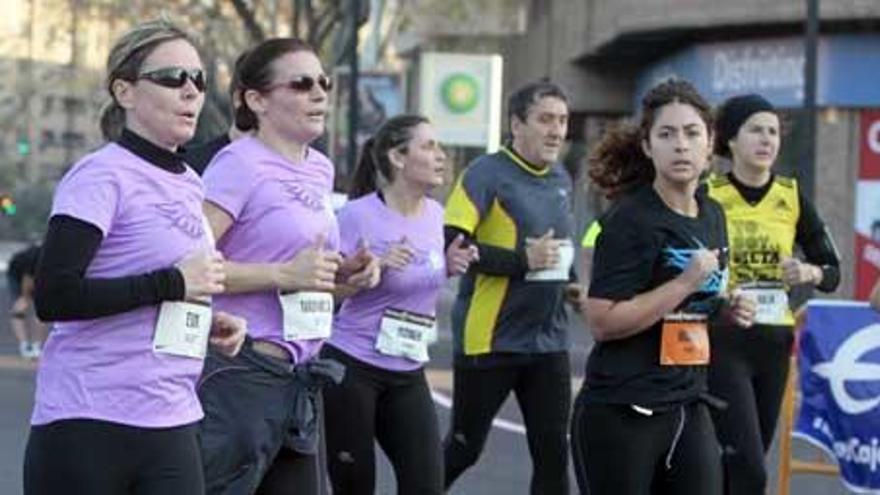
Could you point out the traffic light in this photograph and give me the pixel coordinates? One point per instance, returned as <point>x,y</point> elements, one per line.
<point>7,206</point>
<point>23,146</point>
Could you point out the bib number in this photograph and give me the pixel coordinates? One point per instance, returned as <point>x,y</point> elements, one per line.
<point>182,329</point>
<point>685,340</point>
<point>560,272</point>
<point>772,303</point>
<point>307,315</point>
<point>405,334</point>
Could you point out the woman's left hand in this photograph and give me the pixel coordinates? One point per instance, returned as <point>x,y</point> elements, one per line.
<point>227,333</point>
<point>576,295</point>
<point>363,270</point>
<point>796,272</point>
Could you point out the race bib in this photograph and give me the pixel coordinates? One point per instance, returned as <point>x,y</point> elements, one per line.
<point>772,303</point>
<point>182,329</point>
<point>561,271</point>
<point>685,340</point>
<point>307,315</point>
<point>406,334</point>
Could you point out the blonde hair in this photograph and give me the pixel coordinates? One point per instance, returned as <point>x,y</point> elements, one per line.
<point>125,61</point>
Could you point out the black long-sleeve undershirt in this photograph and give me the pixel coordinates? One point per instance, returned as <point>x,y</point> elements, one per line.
<point>494,260</point>
<point>811,234</point>
<point>64,293</point>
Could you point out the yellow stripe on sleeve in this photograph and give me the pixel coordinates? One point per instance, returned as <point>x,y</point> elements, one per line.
<point>461,212</point>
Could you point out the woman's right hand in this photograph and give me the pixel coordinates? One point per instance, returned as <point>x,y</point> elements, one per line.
<point>313,268</point>
<point>398,255</point>
<point>701,266</point>
<point>742,310</point>
<point>203,274</point>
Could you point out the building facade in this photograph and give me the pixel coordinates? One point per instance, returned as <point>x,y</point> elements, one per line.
<point>607,53</point>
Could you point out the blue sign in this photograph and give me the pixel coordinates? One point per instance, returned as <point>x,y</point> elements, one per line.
<point>839,366</point>
<point>774,68</point>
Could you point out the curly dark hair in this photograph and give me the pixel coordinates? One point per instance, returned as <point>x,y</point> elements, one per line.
<point>618,163</point>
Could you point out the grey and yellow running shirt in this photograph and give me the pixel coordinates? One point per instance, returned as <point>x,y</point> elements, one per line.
<point>500,200</point>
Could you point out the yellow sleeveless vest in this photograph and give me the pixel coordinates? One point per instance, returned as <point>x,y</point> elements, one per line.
<point>760,236</point>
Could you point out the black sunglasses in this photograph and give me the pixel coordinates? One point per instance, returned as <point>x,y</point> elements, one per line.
<point>306,83</point>
<point>176,77</point>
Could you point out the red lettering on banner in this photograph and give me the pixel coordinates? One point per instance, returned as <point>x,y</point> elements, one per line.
<point>867,252</point>
<point>869,135</point>
<point>867,266</point>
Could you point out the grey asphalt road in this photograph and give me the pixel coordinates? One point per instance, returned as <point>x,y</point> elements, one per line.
<point>503,469</point>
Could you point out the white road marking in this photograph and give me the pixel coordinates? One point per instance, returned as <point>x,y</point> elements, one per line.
<point>502,424</point>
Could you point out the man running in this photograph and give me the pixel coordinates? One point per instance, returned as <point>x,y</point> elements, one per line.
<point>29,332</point>
<point>509,320</point>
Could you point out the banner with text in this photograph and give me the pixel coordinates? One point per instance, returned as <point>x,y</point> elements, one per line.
<point>839,369</point>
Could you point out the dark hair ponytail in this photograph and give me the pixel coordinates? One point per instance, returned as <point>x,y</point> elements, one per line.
<point>363,181</point>
<point>395,133</point>
<point>619,164</point>
<point>112,120</point>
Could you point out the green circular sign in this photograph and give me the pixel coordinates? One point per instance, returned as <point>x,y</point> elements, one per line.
<point>460,93</point>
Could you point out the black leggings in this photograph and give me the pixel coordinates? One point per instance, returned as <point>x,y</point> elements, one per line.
<point>396,409</point>
<point>619,451</point>
<point>543,391</point>
<point>101,458</point>
<point>749,370</point>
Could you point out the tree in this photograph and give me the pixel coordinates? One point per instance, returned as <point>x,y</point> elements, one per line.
<point>225,27</point>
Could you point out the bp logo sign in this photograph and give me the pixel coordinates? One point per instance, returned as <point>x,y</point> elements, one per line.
<point>460,93</point>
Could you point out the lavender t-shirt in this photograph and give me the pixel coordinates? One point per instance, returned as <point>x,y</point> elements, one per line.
<point>105,368</point>
<point>414,288</point>
<point>278,208</point>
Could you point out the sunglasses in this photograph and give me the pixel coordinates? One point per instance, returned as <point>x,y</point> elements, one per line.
<point>176,77</point>
<point>306,83</point>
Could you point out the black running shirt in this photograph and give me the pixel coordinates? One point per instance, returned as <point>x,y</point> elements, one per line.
<point>643,245</point>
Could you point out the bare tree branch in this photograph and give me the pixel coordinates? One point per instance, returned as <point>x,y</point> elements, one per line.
<point>295,22</point>
<point>309,9</point>
<point>328,19</point>
<point>394,26</point>
<point>250,20</point>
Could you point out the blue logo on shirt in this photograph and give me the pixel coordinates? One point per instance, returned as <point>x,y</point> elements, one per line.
<point>680,258</point>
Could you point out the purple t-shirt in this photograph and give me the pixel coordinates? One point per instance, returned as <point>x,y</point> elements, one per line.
<point>414,288</point>
<point>278,208</point>
<point>105,368</point>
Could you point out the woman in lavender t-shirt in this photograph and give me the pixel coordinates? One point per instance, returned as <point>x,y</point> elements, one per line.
<point>382,334</point>
<point>116,406</point>
<point>268,202</point>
